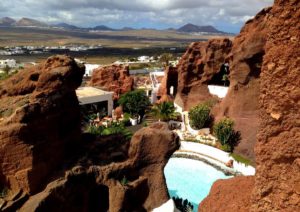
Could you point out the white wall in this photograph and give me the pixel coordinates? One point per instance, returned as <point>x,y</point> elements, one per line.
<point>220,91</point>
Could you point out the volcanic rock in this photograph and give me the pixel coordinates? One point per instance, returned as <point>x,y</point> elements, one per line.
<point>241,101</point>
<point>40,120</point>
<point>198,66</point>
<point>277,180</point>
<point>114,78</point>
<point>136,183</point>
<point>169,80</point>
<point>277,152</point>
<point>231,195</point>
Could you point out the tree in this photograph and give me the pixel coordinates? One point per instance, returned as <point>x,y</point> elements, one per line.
<point>134,102</point>
<point>6,69</point>
<point>165,58</point>
<point>164,111</point>
<point>199,116</point>
<point>224,131</point>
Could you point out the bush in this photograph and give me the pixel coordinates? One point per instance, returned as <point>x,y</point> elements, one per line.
<point>183,205</point>
<point>134,102</point>
<point>226,148</point>
<point>241,159</point>
<point>3,192</point>
<point>114,128</point>
<point>199,116</point>
<point>225,133</point>
<point>164,111</point>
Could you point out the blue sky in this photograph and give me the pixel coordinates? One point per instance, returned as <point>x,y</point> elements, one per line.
<point>226,15</point>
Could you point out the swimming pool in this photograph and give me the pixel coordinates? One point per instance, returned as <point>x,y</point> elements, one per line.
<point>191,179</point>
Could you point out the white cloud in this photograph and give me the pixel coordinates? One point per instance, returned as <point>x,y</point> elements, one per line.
<point>135,12</point>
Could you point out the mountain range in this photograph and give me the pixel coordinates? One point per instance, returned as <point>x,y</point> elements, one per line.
<point>27,22</point>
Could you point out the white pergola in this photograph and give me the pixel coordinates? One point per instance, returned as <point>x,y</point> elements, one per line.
<point>91,95</point>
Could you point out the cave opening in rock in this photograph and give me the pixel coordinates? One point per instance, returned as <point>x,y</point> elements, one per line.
<point>222,77</point>
<point>255,63</point>
<point>99,199</point>
<point>172,84</point>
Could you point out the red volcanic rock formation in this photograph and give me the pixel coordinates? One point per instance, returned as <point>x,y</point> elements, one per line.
<point>277,179</point>
<point>39,118</point>
<point>41,142</point>
<point>230,195</point>
<point>114,78</point>
<point>241,102</point>
<point>170,79</point>
<point>197,68</point>
<point>96,187</point>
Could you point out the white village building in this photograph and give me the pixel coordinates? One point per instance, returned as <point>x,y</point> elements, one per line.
<point>96,100</point>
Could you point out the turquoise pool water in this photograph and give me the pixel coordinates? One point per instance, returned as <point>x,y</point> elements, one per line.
<point>191,179</point>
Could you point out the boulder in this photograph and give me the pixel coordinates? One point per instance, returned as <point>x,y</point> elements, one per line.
<point>198,67</point>
<point>136,183</point>
<point>40,120</point>
<point>114,78</point>
<point>230,195</point>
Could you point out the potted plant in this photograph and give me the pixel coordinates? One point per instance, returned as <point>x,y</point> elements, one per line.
<point>134,119</point>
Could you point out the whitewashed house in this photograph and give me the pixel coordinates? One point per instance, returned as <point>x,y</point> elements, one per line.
<point>8,62</point>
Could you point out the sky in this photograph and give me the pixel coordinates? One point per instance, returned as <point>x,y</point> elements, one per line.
<point>225,15</point>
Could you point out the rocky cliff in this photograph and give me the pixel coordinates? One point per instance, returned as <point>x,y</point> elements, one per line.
<point>47,164</point>
<point>200,64</point>
<point>40,120</point>
<point>129,176</point>
<point>277,178</point>
<point>114,78</point>
<point>241,101</point>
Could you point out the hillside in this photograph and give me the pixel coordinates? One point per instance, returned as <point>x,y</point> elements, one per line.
<point>189,28</point>
<point>27,22</point>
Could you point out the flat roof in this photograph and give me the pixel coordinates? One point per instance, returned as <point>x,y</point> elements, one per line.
<point>82,92</point>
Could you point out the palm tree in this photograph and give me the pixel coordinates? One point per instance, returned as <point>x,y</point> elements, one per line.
<point>165,58</point>
<point>164,111</point>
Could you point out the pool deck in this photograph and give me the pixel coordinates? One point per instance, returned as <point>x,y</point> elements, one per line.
<point>214,156</point>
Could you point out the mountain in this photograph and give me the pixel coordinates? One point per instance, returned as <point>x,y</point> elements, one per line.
<point>6,21</point>
<point>27,22</point>
<point>127,29</point>
<point>103,28</point>
<point>194,28</point>
<point>66,26</point>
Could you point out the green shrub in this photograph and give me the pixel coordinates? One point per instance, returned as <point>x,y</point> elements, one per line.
<point>3,192</point>
<point>183,205</point>
<point>241,159</point>
<point>224,131</point>
<point>124,181</point>
<point>226,148</point>
<point>113,129</point>
<point>199,116</point>
<point>164,111</point>
<point>134,102</point>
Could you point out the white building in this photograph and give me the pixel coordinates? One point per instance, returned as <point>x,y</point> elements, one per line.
<point>144,59</point>
<point>95,99</point>
<point>8,62</point>
<point>89,68</point>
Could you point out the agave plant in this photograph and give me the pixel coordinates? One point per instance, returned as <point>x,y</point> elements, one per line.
<point>164,111</point>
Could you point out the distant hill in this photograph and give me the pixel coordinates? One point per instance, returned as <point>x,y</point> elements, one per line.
<point>6,21</point>
<point>103,28</point>
<point>127,29</point>
<point>27,22</point>
<point>66,26</point>
<point>190,28</point>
